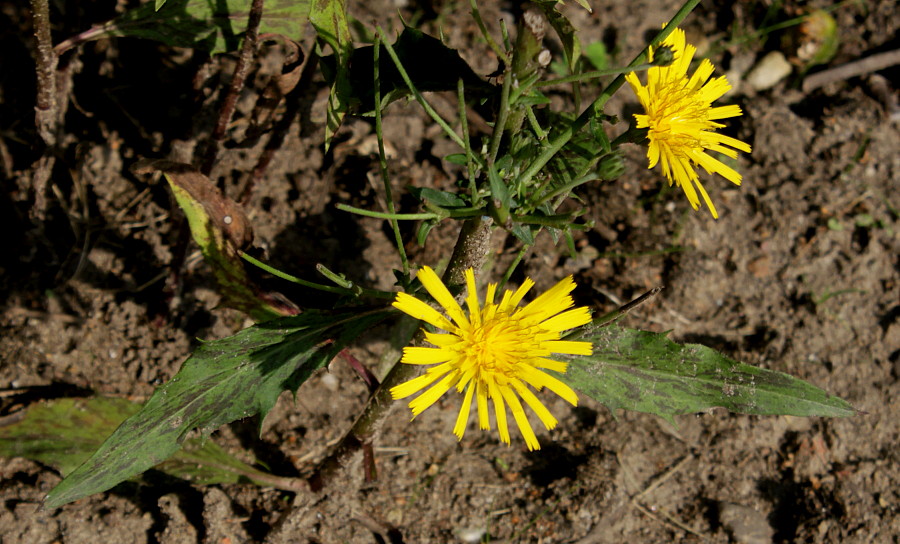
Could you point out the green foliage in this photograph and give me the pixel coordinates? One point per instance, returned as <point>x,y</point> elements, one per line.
<point>597,55</point>
<point>647,372</point>
<point>329,17</point>
<point>214,26</point>
<point>564,30</point>
<point>223,381</point>
<point>64,432</point>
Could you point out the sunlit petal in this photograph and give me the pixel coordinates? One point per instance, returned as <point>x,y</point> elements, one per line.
<point>681,121</point>
<point>494,353</point>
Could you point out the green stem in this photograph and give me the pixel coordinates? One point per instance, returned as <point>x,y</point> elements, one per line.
<point>556,221</point>
<point>382,160</point>
<point>557,143</point>
<point>418,96</point>
<point>383,215</point>
<point>512,267</point>
<point>536,126</point>
<point>594,74</point>
<point>474,198</point>
<point>293,279</point>
<point>562,189</point>
<point>351,287</point>
<point>501,54</point>
<point>502,115</point>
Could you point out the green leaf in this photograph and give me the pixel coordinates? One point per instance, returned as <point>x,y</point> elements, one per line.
<point>597,55</point>
<point>565,31</point>
<point>443,199</point>
<point>329,17</point>
<point>647,372</point>
<point>64,432</point>
<point>203,24</point>
<point>223,381</point>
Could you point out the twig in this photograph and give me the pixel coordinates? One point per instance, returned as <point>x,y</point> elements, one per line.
<point>241,69</point>
<point>46,60</point>
<point>859,67</point>
<point>665,477</point>
<point>667,519</point>
<point>46,108</point>
<point>615,315</point>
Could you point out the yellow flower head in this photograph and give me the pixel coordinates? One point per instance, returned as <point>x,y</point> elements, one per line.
<point>681,120</point>
<point>493,352</point>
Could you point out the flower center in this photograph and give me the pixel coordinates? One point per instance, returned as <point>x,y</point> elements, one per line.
<point>676,116</point>
<point>497,346</point>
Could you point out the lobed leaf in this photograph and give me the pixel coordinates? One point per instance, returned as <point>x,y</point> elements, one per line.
<point>647,372</point>
<point>224,380</point>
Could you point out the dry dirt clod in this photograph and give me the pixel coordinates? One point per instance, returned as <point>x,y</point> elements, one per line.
<point>746,525</point>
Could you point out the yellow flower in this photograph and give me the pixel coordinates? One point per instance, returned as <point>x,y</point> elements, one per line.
<point>494,352</point>
<point>681,120</point>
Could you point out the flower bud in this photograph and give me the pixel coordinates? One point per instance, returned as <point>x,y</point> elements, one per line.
<point>611,166</point>
<point>663,56</point>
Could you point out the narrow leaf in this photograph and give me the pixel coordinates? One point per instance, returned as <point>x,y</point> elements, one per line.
<point>63,433</point>
<point>647,372</point>
<point>223,381</point>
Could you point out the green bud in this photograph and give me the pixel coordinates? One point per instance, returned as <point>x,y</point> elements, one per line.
<point>611,166</point>
<point>663,56</point>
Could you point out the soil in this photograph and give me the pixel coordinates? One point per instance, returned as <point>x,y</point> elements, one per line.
<point>799,274</point>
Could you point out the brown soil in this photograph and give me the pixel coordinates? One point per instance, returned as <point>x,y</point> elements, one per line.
<point>800,274</point>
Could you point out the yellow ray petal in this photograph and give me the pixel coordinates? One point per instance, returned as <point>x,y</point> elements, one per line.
<point>481,396</point>
<point>472,299</point>
<point>549,364</point>
<point>521,418</point>
<point>442,340</point>
<point>441,294</point>
<point>414,355</point>
<point>537,379</point>
<point>568,320</point>
<point>426,399</point>
<point>463,418</point>
<point>414,307</point>
<point>535,403</point>
<point>406,389</point>
<point>499,412</point>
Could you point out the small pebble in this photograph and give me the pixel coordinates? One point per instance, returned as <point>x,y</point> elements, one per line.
<point>768,71</point>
